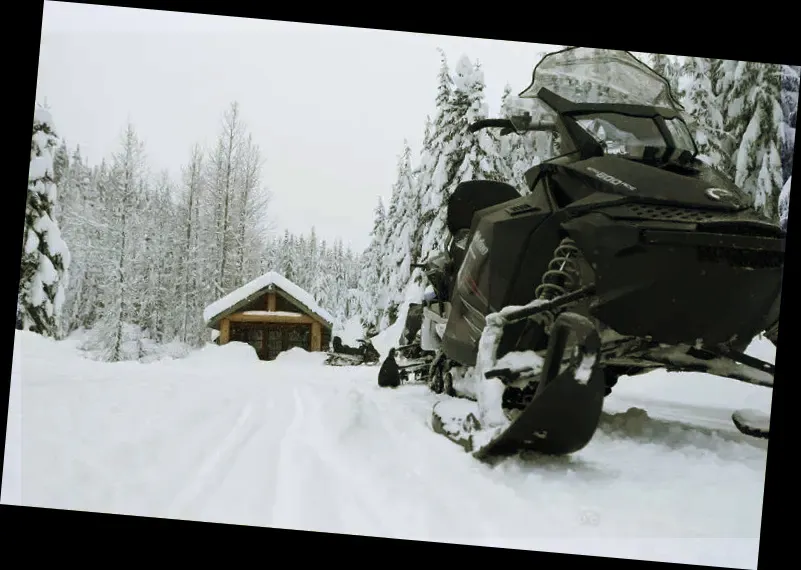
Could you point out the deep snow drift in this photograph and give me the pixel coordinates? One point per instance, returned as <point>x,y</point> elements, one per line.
<point>221,436</point>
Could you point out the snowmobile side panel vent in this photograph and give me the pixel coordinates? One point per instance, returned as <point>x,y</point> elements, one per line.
<point>660,213</point>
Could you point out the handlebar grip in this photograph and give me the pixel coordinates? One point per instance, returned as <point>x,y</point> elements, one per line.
<point>484,123</point>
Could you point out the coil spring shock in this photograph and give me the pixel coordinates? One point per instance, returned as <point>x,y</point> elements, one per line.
<point>561,276</point>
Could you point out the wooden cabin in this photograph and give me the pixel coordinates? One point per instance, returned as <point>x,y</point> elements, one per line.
<point>271,314</point>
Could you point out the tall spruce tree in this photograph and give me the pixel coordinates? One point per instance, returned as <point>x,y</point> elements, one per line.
<point>44,267</point>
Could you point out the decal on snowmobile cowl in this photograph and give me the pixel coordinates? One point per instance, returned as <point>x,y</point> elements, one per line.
<point>628,177</point>
<point>609,179</point>
<point>719,194</point>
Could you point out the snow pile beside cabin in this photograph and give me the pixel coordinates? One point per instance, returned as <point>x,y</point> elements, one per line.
<point>260,283</point>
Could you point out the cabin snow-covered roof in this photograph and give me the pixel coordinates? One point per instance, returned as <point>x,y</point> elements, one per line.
<point>256,287</point>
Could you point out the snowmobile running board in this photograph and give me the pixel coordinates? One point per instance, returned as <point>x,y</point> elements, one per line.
<point>710,360</point>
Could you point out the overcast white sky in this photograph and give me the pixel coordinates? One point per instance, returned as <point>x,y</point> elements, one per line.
<point>329,106</point>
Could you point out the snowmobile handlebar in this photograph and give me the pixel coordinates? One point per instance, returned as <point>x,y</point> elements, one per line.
<point>510,126</point>
<point>486,123</point>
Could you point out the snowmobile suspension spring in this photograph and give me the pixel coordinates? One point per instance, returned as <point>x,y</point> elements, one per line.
<point>561,276</point>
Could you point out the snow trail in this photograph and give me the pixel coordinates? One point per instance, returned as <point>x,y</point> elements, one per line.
<point>220,436</point>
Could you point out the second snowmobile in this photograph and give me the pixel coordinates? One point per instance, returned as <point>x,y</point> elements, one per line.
<point>627,254</point>
<point>344,355</point>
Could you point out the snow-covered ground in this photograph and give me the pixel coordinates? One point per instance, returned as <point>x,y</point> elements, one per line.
<point>221,436</point>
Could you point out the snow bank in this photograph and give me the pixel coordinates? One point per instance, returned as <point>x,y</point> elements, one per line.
<point>299,356</point>
<point>230,353</point>
<point>270,278</point>
<point>43,345</point>
<point>390,336</point>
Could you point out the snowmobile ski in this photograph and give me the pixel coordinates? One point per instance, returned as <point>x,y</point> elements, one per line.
<point>752,422</point>
<point>563,414</point>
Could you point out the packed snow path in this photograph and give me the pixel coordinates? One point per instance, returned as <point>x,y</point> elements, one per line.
<point>219,436</point>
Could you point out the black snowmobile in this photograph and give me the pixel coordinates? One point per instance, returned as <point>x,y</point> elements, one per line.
<point>344,355</point>
<point>629,254</point>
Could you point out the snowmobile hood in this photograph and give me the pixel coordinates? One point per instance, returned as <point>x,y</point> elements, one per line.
<point>621,176</point>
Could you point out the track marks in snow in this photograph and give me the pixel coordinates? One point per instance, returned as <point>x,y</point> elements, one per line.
<point>214,467</point>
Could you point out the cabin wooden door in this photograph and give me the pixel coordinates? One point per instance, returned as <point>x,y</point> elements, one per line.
<point>250,333</point>
<point>275,342</point>
<point>281,337</point>
<point>298,335</point>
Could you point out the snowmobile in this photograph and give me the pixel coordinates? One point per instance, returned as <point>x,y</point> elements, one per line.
<point>627,254</point>
<point>344,355</point>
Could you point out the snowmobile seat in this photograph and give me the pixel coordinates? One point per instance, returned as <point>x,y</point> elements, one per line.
<point>341,348</point>
<point>474,195</point>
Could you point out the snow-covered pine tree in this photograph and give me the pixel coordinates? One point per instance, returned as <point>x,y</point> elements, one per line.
<point>704,110</point>
<point>521,152</point>
<point>44,267</point>
<point>754,117</point>
<point>456,153</point>
<point>251,211</point>
<point>61,174</point>
<point>722,72</point>
<point>311,264</point>
<point>668,66</point>
<point>402,246</point>
<point>122,242</point>
<point>287,262</point>
<point>222,185</point>
<point>789,103</point>
<point>190,198</point>
<point>481,151</point>
<point>438,162</point>
<point>371,301</point>
<point>158,263</point>
<point>88,233</point>
<point>75,200</point>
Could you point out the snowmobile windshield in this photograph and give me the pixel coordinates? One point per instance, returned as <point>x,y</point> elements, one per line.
<point>590,75</point>
<point>587,77</point>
